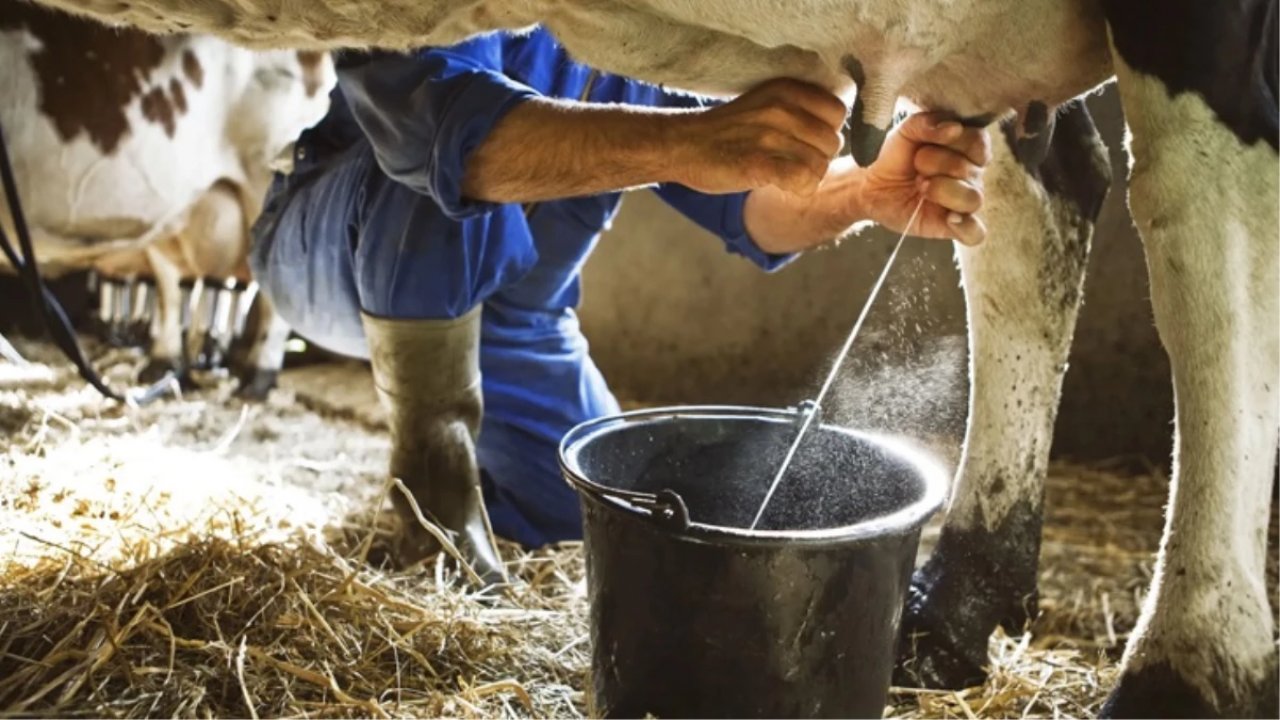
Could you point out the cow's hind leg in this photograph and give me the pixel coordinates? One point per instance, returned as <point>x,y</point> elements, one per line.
<point>166,345</point>
<point>1205,204</point>
<point>258,357</point>
<point>1022,288</point>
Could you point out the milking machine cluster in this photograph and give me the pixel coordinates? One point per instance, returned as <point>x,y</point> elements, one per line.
<point>214,314</point>
<point>124,310</point>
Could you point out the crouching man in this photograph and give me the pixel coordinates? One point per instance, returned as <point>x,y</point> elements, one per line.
<point>437,221</point>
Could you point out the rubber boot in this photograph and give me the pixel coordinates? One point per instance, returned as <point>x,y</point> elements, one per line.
<point>427,373</point>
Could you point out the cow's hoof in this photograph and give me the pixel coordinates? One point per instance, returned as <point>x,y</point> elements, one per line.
<point>138,334</point>
<point>157,369</point>
<point>1155,691</point>
<point>256,384</point>
<point>933,652</point>
<point>1159,691</point>
<point>118,336</point>
<point>976,580</point>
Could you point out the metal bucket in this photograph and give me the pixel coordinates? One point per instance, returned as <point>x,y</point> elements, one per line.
<point>694,615</point>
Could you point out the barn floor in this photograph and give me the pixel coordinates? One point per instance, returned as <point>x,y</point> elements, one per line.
<point>204,557</point>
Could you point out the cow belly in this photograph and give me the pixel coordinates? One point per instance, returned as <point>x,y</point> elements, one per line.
<point>974,57</point>
<point>971,56</point>
<point>314,25</point>
<point>75,192</point>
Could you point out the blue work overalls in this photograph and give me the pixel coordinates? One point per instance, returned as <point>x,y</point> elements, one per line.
<point>373,218</point>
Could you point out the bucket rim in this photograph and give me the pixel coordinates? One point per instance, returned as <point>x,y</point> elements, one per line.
<point>910,517</point>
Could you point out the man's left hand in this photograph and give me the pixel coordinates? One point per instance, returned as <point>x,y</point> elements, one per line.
<point>928,156</point>
<point>937,158</point>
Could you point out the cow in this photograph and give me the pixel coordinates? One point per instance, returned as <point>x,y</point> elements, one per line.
<point>139,155</point>
<point>1197,81</point>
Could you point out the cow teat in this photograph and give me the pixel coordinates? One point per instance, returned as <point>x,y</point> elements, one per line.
<point>871,116</point>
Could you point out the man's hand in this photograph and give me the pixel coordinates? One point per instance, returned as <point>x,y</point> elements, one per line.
<point>931,156</point>
<point>782,133</point>
<point>925,156</point>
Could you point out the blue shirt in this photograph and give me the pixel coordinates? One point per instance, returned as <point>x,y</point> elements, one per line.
<point>425,112</point>
<point>373,220</point>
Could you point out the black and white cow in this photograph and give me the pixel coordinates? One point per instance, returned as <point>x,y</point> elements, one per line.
<point>1198,83</point>
<point>143,155</point>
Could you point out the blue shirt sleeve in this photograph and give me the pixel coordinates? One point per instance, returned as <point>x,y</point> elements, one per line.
<point>426,112</point>
<point>721,215</point>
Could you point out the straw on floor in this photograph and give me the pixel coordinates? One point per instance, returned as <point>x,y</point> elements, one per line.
<point>217,628</point>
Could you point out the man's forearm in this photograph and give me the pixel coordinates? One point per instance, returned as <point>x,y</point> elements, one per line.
<point>547,149</point>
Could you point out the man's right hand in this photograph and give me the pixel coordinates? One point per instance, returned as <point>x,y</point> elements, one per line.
<point>782,133</point>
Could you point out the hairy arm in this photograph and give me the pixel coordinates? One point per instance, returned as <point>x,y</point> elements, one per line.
<point>781,133</point>
<point>777,141</point>
<point>546,149</point>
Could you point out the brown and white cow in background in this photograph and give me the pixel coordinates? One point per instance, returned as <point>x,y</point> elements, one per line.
<point>145,155</point>
<point>1198,83</point>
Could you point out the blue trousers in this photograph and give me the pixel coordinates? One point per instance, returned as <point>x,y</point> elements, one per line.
<point>339,237</point>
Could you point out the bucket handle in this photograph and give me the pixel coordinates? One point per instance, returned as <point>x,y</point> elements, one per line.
<point>665,506</point>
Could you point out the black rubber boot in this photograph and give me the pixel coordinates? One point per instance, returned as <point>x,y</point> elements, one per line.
<point>427,374</point>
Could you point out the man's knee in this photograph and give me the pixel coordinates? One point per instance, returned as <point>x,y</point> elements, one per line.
<point>529,501</point>
<point>300,258</point>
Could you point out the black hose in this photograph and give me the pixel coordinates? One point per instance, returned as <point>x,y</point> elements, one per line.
<point>55,318</point>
